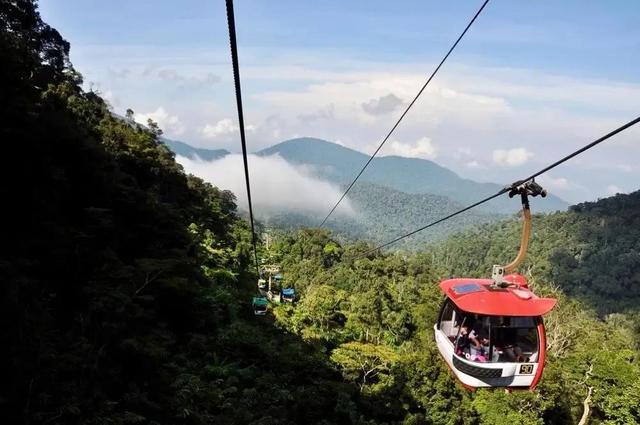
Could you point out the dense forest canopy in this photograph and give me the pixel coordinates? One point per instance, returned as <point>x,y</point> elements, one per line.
<point>127,283</point>
<point>382,213</point>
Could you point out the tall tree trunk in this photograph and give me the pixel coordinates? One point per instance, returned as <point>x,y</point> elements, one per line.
<point>586,408</point>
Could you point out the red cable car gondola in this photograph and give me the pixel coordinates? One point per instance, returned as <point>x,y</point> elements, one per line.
<point>490,331</point>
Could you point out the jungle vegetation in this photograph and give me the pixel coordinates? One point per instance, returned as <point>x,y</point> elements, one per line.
<point>126,286</point>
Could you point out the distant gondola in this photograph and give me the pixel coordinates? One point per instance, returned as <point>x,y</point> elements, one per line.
<point>288,295</point>
<point>259,305</point>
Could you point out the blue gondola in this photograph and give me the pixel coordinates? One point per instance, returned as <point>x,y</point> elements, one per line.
<point>288,295</point>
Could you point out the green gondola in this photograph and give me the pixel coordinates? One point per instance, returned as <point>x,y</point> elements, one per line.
<point>259,305</point>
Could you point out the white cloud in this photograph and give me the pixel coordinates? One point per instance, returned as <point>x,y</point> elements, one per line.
<point>224,128</point>
<point>275,184</point>
<point>481,107</point>
<point>612,189</point>
<point>511,157</point>
<point>490,106</point>
<point>348,97</point>
<point>555,183</point>
<point>423,148</point>
<point>170,124</point>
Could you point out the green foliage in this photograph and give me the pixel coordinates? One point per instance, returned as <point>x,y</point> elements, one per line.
<point>127,286</point>
<point>364,363</point>
<point>382,213</point>
<point>499,408</point>
<point>364,311</point>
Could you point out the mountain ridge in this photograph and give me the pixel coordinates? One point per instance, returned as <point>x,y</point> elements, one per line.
<point>339,164</point>
<point>191,152</point>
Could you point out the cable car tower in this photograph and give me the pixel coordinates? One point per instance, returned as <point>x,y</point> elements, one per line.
<point>490,331</point>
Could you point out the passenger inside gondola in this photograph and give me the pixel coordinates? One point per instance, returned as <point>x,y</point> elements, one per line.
<point>472,341</point>
<point>479,339</point>
<point>494,338</point>
<point>463,342</point>
<point>490,338</point>
<point>515,339</point>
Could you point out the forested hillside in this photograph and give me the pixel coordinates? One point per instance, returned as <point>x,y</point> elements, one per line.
<point>374,318</point>
<point>126,286</point>
<point>381,213</point>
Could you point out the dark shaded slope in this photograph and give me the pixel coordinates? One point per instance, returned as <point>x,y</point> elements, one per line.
<point>125,282</point>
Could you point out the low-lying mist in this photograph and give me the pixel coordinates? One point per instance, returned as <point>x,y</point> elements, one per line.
<point>276,185</point>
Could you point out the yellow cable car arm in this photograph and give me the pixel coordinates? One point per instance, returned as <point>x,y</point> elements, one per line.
<point>524,241</point>
<point>530,188</point>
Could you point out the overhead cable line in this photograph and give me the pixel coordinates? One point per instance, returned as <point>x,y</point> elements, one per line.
<point>435,71</point>
<point>507,188</point>
<point>236,78</point>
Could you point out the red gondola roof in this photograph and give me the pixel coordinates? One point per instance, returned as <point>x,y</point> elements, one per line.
<point>477,296</point>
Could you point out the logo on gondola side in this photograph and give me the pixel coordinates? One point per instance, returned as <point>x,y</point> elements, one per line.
<point>526,369</point>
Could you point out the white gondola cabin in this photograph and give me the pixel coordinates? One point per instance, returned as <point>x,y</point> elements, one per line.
<point>490,331</point>
<point>492,336</point>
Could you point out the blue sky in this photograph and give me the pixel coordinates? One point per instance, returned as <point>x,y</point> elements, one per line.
<point>531,81</point>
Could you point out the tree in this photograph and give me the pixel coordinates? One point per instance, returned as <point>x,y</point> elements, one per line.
<point>154,128</point>
<point>363,362</point>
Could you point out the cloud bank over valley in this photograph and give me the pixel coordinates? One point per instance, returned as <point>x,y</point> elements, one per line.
<point>276,185</point>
